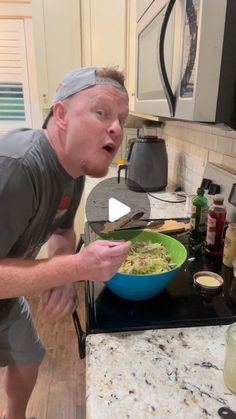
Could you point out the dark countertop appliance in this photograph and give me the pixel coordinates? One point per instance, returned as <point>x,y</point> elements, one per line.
<point>147,164</point>
<point>180,305</point>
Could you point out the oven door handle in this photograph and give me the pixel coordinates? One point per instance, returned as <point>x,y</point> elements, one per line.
<point>81,335</point>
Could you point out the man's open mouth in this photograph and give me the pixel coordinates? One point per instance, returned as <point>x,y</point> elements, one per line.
<point>109,148</point>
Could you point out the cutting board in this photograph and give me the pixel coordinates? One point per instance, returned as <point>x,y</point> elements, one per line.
<point>169,226</point>
<point>161,226</point>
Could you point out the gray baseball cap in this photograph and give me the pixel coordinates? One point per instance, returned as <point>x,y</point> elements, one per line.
<point>82,79</point>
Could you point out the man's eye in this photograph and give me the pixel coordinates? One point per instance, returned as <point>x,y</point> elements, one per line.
<point>101,112</point>
<point>122,121</point>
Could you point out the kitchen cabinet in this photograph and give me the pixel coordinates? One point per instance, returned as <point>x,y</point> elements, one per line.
<point>16,1</point>
<point>131,51</point>
<point>108,36</point>
<point>73,33</point>
<point>69,34</point>
<point>57,43</point>
<point>103,26</point>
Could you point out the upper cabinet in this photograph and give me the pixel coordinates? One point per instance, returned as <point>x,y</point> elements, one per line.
<point>57,40</point>
<point>108,30</point>
<point>131,51</point>
<point>74,33</point>
<point>103,27</point>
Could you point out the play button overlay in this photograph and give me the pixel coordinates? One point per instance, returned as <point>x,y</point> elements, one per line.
<point>116,209</point>
<point>110,206</point>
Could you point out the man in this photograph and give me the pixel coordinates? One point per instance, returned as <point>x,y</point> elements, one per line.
<point>42,178</point>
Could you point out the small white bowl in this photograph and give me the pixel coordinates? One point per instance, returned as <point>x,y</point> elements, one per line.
<point>208,283</point>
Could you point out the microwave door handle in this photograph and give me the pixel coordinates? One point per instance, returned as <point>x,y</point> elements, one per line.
<point>192,23</point>
<point>162,68</point>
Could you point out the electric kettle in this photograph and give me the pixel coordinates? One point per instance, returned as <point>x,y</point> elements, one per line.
<point>146,169</point>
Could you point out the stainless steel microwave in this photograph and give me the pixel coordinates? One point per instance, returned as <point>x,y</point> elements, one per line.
<point>186,60</point>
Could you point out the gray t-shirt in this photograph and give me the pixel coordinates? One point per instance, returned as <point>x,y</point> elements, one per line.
<point>37,195</point>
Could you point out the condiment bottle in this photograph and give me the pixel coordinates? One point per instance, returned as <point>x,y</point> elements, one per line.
<point>215,226</point>
<point>230,358</point>
<point>229,253</point>
<point>199,211</point>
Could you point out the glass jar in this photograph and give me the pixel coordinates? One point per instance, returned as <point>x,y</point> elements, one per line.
<point>230,358</point>
<point>230,245</point>
<point>234,268</point>
<point>215,226</point>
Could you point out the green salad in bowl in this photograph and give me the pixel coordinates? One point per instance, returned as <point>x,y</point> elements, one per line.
<point>147,258</point>
<point>153,262</point>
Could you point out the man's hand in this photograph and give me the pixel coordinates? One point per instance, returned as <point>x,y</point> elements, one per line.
<point>60,301</point>
<point>100,260</point>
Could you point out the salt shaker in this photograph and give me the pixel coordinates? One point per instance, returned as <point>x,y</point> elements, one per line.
<point>230,358</point>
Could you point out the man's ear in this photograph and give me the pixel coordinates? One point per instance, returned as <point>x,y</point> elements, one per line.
<point>59,113</point>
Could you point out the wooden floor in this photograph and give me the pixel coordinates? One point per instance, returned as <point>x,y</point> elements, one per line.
<point>60,389</point>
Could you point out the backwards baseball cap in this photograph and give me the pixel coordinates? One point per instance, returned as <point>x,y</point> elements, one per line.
<point>82,79</point>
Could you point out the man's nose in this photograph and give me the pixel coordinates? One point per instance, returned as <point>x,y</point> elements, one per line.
<point>115,129</point>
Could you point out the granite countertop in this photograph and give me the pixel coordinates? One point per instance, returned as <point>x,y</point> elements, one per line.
<point>168,373</point>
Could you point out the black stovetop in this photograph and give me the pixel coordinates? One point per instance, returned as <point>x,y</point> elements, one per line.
<point>180,305</point>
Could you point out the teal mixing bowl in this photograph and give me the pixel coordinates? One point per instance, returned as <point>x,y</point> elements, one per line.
<point>143,287</point>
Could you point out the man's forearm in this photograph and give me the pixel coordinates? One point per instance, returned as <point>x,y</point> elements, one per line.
<point>21,277</point>
<point>99,261</point>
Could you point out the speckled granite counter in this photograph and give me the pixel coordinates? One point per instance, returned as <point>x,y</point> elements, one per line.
<point>168,373</point>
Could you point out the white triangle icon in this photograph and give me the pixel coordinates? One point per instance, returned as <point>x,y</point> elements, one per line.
<point>116,209</point>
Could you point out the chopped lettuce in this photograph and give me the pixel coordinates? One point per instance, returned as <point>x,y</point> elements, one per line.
<point>147,258</point>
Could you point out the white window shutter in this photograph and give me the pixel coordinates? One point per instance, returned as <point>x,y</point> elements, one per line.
<point>14,87</point>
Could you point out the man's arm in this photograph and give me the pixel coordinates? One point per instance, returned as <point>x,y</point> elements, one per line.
<point>97,262</point>
<point>21,277</point>
<point>59,301</point>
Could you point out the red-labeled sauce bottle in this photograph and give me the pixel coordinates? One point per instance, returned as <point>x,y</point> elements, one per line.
<point>215,226</point>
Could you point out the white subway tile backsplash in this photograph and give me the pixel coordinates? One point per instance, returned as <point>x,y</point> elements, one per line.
<point>188,160</point>
<point>207,140</point>
<point>170,130</point>
<point>221,129</point>
<point>191,145</point>
<point>229,162</point>
<point>198,165</point>
<point>189,135</point>
<point>215,157</point>
<point>148,131</point>
<point>204,127</point>
<point>233,150</point>
<point>224,145</point>
<point>231,134</point>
